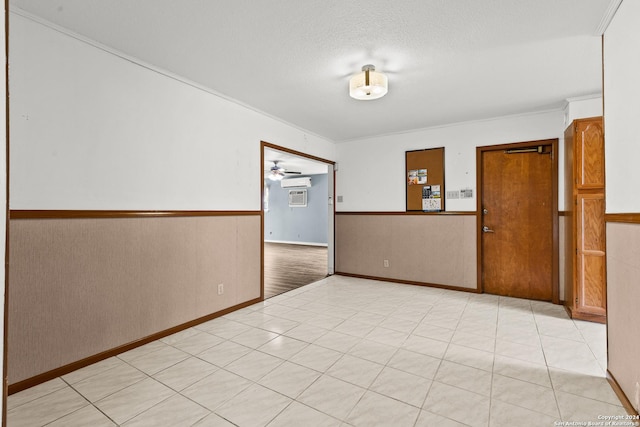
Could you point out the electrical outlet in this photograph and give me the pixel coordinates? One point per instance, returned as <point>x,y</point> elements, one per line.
<point>637,396</point>
<point>385,263</point>
<point>220,289</point>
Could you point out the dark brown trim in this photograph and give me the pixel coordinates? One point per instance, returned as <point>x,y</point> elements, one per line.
<point>620,393</point>
<point>262,185</point>
<point>629,218</point>
<point>63,370</point>
<point>555,262</point>
<point>294,152</point>
<point>407,213</point>
<point>409,282</point>
<point>75,214</point>
<point>564,213</point>
<point>263,145</point>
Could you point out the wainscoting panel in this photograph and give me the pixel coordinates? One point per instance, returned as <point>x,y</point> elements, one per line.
<point>82,286</point>
<point>623,315</point>
<point>432,249</point>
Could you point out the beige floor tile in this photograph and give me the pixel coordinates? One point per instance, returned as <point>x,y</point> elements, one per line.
<point>434,332</point>
<point>433,348</point>
<point>375,409</point>
<point>46,409</point>
<point>496,361</point>
<point>460,405</point>
<point>86,416</point>
<point>387,336</point>
<point>185,373</point>
<point>373,351</point>
<point>332,396</point>
<point>223,354</point>
<point>290,379</point>
<point>297,414</point>
<point>283,347</point>
<point>224,328</point>
<point>479,342</point>
<point>254,338</point>
<point>254,365</point>
<point>198,342</point>
<point>176,411</point>
<point>158,360</point>
<point>108,382</point>
<point>526,395</point>
<point>338,341</point>
<point>355,370</point>
<point>429,419</point>
<point>306,333</point>
<point>34,393</point>
<point>522,370</point>
<point>470,357</point>
<point>465,377</point>
<point>91,370</point>
<point>514,350</point>
<point>507,415</point>
<point>402,386</point>
<point>133,400</point>
<point>596,388</point>
<point>415,363</point>
<point>216,389</point>
<point>577,408</point>
<point>255,406</point>
<point>316,357</point>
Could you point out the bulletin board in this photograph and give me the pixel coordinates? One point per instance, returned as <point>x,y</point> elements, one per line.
<point>424,177</point>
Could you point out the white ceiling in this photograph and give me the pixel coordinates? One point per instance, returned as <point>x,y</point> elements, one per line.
<point>447,60</point>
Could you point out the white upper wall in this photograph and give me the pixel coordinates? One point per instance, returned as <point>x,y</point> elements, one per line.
<point>582,108</point>
<point>371,171</point>
<point>622,109</point>
<point>93,130</point>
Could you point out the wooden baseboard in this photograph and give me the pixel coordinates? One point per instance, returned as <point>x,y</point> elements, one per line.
<point>63,370</point>
<point>410,282</point>
<point>620,393</point>
<point>577,315</point>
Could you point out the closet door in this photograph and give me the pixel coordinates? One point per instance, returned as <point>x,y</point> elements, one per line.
<point>590,255</point>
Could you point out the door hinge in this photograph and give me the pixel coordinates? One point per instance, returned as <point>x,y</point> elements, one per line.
<point>576,301</point>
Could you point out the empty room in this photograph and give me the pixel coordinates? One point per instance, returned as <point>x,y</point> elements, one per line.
<point>455,182</point>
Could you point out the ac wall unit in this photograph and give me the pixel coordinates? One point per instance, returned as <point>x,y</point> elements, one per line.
<point>296,182</point>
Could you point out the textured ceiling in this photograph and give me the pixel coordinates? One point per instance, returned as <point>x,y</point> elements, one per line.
<point>447,61</point>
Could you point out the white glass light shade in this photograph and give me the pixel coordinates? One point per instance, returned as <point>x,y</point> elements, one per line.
<point>274,176</point>
<point>369,84</point>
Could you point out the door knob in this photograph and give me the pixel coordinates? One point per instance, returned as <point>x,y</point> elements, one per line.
<point>486,229</point>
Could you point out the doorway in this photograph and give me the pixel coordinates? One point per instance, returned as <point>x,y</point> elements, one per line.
<point>297,219</point>
<point>518,220</point>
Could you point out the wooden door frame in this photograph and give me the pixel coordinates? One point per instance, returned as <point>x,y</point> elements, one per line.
<point>555,265</point>
<point>263,145</point>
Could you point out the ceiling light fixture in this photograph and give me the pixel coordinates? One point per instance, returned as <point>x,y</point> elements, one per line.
<point>369,84</point>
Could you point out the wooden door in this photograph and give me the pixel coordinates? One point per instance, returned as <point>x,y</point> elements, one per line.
<point>517,225</point>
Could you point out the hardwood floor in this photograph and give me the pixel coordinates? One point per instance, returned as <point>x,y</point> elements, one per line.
<point>287,267</point>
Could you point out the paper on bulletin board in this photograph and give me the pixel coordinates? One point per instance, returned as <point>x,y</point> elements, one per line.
<point>422,176</point>
<point>431,204</point>
<point>412,177</point>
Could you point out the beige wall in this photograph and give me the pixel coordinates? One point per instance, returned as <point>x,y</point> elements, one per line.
<point>436,249</point>
<point>623,271</point>
<point>79,287</point>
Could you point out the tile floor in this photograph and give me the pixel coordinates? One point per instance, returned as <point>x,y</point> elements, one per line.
<point>343,352</point>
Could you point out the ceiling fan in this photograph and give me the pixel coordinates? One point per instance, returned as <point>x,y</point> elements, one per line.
<point>276,173</point>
